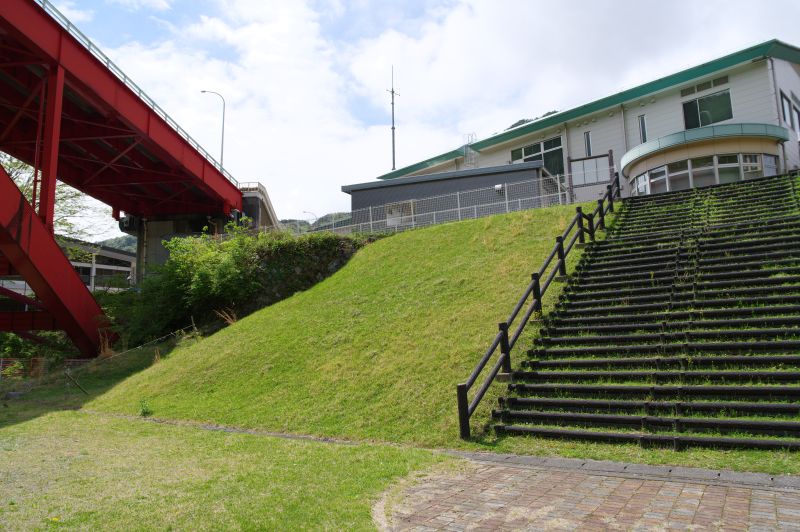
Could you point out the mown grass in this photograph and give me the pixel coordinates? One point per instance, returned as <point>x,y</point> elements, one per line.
<point>78,470</point>
<point>373,352</point>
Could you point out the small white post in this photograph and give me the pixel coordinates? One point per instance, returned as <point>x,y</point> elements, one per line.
<point>93,273</point>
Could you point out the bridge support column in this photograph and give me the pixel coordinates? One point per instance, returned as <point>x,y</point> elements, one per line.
<point>52,137</point>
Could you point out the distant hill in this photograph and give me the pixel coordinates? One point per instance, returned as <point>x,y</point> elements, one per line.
<point>125,243</point>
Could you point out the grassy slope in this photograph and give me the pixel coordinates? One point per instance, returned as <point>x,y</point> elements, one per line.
<point>375,351</point>
<point>99,473</point>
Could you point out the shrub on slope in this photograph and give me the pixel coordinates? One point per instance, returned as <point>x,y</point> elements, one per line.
<point>238,274</point>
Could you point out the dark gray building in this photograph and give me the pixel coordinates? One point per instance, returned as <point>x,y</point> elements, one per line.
<point>450,196</point>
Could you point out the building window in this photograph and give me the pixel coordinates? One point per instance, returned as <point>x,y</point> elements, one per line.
<point>590,171</point>
<point>587,142</point>
<point>707,110</point>
<point>786,104</point>
<point>751,165</point>
<point>797,121</point>
<point>548,151</point>
<point>705,171</point>
<point>642,129</point>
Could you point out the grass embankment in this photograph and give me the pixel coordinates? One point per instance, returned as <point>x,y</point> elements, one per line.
<point>373,352</point>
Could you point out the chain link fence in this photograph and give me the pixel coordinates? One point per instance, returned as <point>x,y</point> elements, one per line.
<point>399,216</point>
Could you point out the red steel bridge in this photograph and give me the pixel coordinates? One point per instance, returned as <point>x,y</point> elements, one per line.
<point>71,114</point>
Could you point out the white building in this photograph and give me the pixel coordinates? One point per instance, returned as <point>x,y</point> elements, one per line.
<point>730,119</point>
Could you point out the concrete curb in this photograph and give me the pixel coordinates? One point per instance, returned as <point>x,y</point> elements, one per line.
<point>605,467</point>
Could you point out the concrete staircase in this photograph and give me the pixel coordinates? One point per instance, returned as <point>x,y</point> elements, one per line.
<point>681,328</point>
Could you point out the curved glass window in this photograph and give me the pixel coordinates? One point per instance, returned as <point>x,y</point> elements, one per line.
<point>704,171</point>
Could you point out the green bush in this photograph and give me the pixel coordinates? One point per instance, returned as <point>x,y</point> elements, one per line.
<point>235,274</point>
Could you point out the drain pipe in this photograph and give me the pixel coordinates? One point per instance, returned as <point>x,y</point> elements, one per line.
<point>771,67</point>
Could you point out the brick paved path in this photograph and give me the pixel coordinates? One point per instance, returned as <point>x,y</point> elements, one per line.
<point>573,495</point>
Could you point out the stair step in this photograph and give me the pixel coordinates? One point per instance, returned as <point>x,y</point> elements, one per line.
<point>652,423</point>
<point>677,407</point>
<point>706,283</point>
<point>650,440</point>
<point>679,291</point>
<point>677,266</point>
<point>773,346</point>
<point>676,391</point>
<point>665,296</point>
<point>657,376</point>
<point>686,336</point>
<point>567,311</point>
<point>689,315</point>
<point>764,321</point>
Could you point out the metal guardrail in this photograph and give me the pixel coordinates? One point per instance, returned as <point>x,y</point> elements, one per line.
<point>103,58</point>
<point>583,224</point>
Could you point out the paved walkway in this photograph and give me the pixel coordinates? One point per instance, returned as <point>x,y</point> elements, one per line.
<point>502,492</point>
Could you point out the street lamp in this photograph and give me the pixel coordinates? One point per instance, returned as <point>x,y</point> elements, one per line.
<point>222,144</point>
<point>312,214</point>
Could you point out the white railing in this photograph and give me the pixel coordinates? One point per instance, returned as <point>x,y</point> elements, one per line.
<point>103,58</point>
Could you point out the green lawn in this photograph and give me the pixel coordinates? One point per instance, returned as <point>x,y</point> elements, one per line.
<point>79,470</point>
<point>371,354</point>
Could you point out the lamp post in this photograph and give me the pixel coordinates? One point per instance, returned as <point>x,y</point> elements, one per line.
<point>311,225</point>
<point>222,144</point>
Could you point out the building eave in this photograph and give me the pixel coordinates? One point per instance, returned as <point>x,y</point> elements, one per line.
<point>702,134</point>
<point>441,176</point>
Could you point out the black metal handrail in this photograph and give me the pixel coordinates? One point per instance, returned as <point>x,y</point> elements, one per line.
<point>583,224</point>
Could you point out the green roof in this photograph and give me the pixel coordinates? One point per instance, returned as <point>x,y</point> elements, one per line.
<point>427,163</point>
<point>773,48</point>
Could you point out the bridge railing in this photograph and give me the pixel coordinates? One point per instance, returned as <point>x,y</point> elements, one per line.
<point>581,226</point>
<point>103,58</point>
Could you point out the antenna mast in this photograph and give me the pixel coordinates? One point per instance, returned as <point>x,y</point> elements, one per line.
<point>393,93</point>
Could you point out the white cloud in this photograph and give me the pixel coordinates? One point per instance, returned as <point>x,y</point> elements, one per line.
<point>68,9</point>
<point>156,5</point>
<point>297,92</point>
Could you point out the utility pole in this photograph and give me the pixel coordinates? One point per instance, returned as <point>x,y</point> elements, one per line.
<point>393,93</point>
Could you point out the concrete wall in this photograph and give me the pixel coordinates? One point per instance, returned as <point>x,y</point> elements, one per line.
<point>787,79</point>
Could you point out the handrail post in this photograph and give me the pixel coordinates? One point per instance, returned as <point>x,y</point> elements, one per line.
<point>537,292</point>
<point>601,221</point>
<point>581,236</point>
<point>610,193</point>
<point>562,263</point>
<point>590,219</point>
<point>463,410</point>
<point>505,348</point>
<point>616,183</point>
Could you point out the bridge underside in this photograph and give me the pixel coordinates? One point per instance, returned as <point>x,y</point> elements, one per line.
<point>69,113</point>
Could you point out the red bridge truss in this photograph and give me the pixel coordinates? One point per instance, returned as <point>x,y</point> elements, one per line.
<point>70,113</point>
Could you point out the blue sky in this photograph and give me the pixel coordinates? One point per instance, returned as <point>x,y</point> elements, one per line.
<point>305,80</point>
